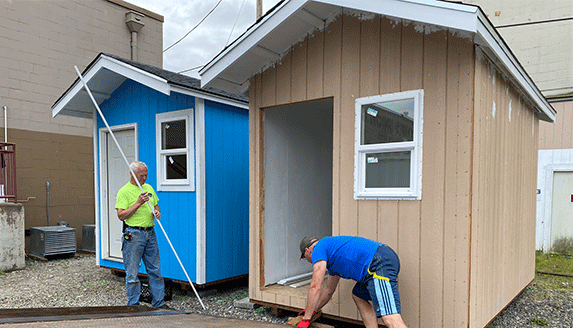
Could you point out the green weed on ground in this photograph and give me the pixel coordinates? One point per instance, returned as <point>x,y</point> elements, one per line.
<point>553,264</point>
<point>562,246</point>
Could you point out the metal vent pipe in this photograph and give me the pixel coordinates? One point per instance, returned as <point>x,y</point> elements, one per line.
<point>135,23</point>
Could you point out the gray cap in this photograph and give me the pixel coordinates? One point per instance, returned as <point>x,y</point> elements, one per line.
<point>306,242</point>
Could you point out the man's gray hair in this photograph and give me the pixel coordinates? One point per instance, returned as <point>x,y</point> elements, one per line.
<point>137,165</point>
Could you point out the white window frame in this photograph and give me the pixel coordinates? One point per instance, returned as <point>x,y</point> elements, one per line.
<point>413,192</point>
<point>164,184</point>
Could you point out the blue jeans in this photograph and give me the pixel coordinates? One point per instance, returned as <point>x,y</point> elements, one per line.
<point>142,246</point>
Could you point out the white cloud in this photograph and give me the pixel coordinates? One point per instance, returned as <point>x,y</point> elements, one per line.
<point>205,42</point>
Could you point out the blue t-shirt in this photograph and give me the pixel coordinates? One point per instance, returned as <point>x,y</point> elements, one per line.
<point>346,256</point>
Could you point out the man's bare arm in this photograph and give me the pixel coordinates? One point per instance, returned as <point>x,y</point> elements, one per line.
<point>319,269</point>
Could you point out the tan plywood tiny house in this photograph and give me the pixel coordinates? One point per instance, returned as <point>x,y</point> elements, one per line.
<point>407,122</point>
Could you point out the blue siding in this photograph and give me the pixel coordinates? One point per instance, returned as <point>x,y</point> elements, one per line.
<point>227,182</point>
<point>227,191</point>
<point>135,103</point>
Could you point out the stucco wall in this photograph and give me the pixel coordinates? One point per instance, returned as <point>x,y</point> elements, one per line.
<point>12,255</point>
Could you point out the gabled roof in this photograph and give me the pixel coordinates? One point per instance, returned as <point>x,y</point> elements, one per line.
<point>107,72</point>
<point>290,21</point>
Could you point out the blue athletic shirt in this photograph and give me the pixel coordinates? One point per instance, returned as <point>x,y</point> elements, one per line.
<point>346,256</point>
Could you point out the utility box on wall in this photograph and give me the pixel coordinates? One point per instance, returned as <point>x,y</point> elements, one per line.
<point>12,237</point>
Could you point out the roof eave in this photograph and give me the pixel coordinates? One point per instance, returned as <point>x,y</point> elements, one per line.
<point>62,105</point>
<point>453,16</point>
<point>487,37</point>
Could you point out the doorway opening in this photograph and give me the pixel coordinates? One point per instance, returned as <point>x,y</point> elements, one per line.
<point>298,183</point>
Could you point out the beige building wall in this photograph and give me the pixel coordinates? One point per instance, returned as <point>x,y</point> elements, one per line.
<point>559,134</point>
<point>40,43</point>
<point>539,33</point>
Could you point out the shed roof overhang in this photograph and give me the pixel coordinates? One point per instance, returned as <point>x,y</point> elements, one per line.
<point>105,74</point>
<point>290,21</point>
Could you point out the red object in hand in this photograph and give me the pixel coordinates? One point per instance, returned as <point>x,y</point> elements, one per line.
<point>304,323</point>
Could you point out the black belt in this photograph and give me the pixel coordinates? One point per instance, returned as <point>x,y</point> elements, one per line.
<point>141,228</point>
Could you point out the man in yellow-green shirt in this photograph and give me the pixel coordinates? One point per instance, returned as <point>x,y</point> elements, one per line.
<point>139,241</point>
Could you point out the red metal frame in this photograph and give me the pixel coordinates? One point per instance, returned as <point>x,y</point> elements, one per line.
<point>8,171</point>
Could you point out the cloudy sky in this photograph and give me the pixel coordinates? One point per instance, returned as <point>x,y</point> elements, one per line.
<point>229,20</point>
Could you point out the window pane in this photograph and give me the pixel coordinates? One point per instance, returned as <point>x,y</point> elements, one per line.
<point>176,167</point>
<point>388,170</point>
<point>173,135</point>
<point>386,122</point>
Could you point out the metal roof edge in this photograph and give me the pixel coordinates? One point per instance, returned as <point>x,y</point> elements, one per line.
<point>492,39</point>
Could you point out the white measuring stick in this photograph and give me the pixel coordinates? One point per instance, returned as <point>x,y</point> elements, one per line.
<point>135,178</point>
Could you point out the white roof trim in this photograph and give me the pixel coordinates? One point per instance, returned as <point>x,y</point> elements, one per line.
<point>249,40</point>
<point>454,16</point>
<point>153,81</point>
<point>211,97</point>
<point>116,66</point>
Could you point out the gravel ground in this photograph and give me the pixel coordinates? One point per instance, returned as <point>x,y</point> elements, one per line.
<point>78,282</point>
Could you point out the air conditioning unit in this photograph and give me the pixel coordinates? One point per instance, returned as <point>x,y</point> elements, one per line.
<point>89,237</point>
<point>52,240</point>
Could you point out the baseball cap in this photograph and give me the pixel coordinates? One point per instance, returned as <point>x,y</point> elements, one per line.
<point>306,242</point>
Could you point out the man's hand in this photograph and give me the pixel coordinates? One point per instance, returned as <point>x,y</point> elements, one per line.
<point>143,198</point>
<point>304,323</point>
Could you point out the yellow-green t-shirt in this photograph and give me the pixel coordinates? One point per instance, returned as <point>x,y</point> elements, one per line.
<point>128,195</point>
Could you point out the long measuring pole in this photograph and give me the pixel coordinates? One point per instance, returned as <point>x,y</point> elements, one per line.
<point>135,178</point>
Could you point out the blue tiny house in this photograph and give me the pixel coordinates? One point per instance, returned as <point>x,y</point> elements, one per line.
<point>195,143</point>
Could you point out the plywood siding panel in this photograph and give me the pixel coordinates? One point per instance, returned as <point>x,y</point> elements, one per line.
<point>315,48</point>
<point>455,91</point>
<point>463,176</point>
<point>299,72</point>
<point>284,80</point>
<point>503,205</point>
<point>409,211</point>
<point>369,86</point>
<point>332,88</point>
<point>268,87</point>
<point>432,204</point>
<point>348,223</point>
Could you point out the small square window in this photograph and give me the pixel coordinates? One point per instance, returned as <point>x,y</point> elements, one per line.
<point>175,151</point>
<point>173,135</point>
<point>388,146</point>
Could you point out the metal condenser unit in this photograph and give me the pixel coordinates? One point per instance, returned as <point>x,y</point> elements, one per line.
<point>52,240</point>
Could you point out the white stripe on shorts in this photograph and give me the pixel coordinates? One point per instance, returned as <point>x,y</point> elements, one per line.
<point>385,297</point>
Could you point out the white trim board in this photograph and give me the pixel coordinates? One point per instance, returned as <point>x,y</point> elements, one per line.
<point>200,208</point>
